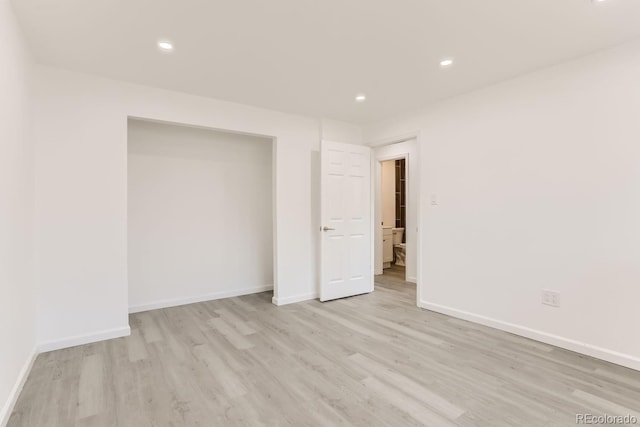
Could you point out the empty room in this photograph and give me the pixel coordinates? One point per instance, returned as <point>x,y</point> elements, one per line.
<point>318,213</point>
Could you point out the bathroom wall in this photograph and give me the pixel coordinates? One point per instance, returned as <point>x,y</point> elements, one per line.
<point>200,214</point>
<point>389,193</point>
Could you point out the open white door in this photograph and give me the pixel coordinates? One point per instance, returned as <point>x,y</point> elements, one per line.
<point>346,252</point>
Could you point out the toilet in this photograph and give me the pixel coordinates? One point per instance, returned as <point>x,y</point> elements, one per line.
<point>399,248</point>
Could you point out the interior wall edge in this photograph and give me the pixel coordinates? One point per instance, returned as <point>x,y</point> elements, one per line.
<point>17,261</point>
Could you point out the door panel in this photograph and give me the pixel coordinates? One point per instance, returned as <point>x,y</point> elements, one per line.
<point>346,220</point>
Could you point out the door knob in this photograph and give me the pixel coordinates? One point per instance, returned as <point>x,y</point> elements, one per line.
<point>325,228</point>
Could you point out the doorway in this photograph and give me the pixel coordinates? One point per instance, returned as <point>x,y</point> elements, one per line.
<point>393,200</point>
<point>396,210</point>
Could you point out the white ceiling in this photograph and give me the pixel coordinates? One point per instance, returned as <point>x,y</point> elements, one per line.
<point>312,56</point>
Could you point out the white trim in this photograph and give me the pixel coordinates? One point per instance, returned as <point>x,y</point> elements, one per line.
<point>84,339</point>
<point>412,279</point>
<point>373,266</point>
<point>294,299</point>
<point>547,338</point>
<point>201,298</point>
<point>7,409</point>
<point>420,232</point>
<point>393,139</point>
<point>274,211</point>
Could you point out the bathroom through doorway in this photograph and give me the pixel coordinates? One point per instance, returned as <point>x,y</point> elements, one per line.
<point>395,208</point>
<point>394,215</point>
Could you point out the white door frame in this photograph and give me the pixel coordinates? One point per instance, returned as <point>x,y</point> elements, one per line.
<point>375,160</point>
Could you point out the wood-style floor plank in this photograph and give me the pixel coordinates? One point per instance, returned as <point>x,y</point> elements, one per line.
<point>370,360</point>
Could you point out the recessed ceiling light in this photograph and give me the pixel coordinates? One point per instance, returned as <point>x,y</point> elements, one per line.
<point>447,62</point>
<point>165,46</point>
<point>361,97</point>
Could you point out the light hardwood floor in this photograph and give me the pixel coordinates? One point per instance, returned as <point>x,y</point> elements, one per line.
<point>371,360</point>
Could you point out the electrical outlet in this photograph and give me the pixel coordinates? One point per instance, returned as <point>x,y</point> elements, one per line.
<point>551,298</point>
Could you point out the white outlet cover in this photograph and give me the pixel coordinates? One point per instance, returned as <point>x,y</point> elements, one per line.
<point>551,298</point>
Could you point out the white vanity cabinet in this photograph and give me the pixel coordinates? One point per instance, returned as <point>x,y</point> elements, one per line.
<point>387,246</point>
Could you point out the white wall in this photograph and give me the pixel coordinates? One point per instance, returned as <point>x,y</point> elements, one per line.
<point>81,203</point>
<point>339,131</point>
<point>200,222</point>
<point>537,182</point>
<point>408,148</point>
<point>17,315</point>
<point>388,193</point>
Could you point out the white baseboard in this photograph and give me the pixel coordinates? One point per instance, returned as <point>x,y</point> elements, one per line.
<point>84,339</point>
<point>412,280</point>
<point>201,298</point>
<point>17,388</point>
<point>547,338</point>
<point>294,299</point>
